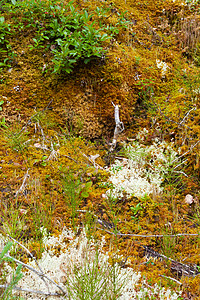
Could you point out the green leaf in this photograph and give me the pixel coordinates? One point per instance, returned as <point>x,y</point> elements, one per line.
<point>56,68</point>
<point>104,37</point>
<point>2,19</point>
<point>5,250</point>
<point>13,2</point>
<point>88,185</point>
<point>87,60</point>
<point>85,15</point>
<point>84,194</point>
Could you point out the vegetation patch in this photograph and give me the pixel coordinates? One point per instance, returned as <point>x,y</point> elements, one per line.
<point>99,121</point>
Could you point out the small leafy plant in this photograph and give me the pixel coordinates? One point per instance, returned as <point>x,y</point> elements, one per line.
<point>1,103</point>
<point>76,38</point>
<point>3,120</point>
<point>135,210</point>
<point>7,293</point>
<point>3,123</point>
<point>5,47</point>
<point>73,36</point>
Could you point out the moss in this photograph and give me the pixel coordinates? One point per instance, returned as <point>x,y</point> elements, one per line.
<point>80,110</point>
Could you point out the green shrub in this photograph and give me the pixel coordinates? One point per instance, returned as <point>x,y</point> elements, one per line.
<point>76,38</point>
<point>73,36</point>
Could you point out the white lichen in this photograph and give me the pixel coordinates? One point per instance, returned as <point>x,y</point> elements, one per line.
<point>163,66</point>
<point>144,170</point>
<point>76,253</point>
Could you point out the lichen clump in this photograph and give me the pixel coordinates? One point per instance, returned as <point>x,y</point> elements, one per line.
<point>144,169</point>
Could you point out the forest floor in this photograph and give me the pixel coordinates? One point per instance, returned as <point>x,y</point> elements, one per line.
<point>85,190</point>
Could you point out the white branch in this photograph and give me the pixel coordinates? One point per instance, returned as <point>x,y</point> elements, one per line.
<point>118,128</point>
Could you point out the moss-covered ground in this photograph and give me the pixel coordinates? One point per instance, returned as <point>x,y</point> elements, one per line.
<point>53,124</point>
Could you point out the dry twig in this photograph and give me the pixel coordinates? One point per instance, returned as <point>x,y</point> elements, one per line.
<point>40,274</point>
<point>22,187</point>
<point>150,235</point>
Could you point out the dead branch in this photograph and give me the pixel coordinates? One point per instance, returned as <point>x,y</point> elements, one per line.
<point>178,267</point>
<point>148,236</point>
<point>172,121</point>
<point>175,280</point>
<point>30,120</point>
<point>40,274</point>
<point>92,159</point>
<point>119,127</point>
<point>31,255</point>
<point>138,235</point>
<point>186,151</point>
<point>31,291</point>
<point>186,115</point>
<point>22,187</point>
<point>69,158</point>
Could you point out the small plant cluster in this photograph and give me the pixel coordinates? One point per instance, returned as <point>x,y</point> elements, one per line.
<point>75,191</point>
<point>2,121</point>
<point>5,47</point>
<point>70,34</point>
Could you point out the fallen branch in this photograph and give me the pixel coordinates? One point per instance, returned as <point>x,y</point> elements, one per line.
<point>172,121</point>
<point>31,255</point>
<point>177,267</point>
<point>150,235</point>
<point>30,120</point>
<point>31,291</point>
<point>173,279</point>
<point>69,158</point>
<point>92,159</point>
<point>40,274</point>
<point>136,235</point>
<point>187,151</point>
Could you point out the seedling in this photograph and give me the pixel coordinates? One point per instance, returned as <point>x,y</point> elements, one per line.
<point>135,210</point>
<point>3,123</point>
<point>1,103</point>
